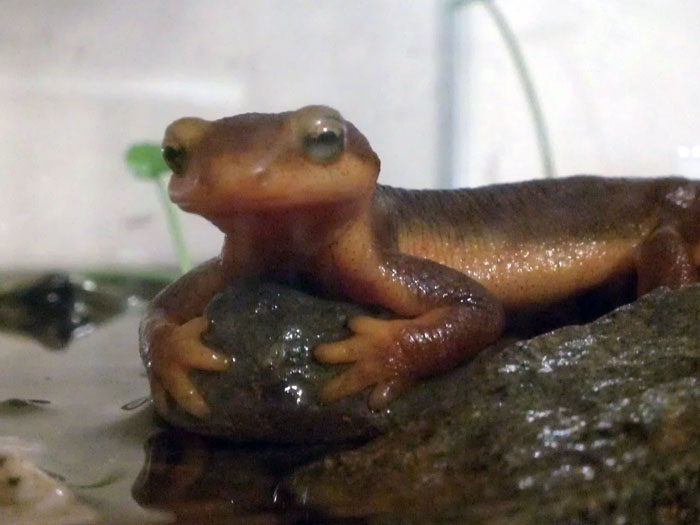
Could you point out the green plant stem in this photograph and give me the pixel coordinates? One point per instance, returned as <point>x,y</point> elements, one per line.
<point>516,54</point>
<point>183,257</point>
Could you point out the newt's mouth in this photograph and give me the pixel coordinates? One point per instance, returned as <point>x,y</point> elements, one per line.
<point>180,199</point>
<point>185,206</point>
<point>181,191</point>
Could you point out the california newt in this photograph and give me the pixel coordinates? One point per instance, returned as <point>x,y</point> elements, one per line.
<point>295,194</point>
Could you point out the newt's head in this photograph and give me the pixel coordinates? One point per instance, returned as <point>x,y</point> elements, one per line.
<point>256,162</point>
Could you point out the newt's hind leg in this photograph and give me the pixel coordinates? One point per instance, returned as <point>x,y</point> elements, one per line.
<point>664,259</point>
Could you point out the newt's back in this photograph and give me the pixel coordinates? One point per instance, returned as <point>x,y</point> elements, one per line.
<point>537,241</point>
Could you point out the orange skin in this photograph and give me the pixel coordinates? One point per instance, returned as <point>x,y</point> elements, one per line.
<point>296,193</point>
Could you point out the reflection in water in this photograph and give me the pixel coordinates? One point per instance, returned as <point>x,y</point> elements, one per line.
<point>53,309</point>
<point>15,403</point>
<point>56,307</point>
<point>204,480</point>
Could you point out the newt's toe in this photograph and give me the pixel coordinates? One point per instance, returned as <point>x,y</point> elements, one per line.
<point>183,391</point>
<point>352,381</point>
<point>188,349</point>
<point>346,351</point>
<point>383,393</point>
<point>159,396</point>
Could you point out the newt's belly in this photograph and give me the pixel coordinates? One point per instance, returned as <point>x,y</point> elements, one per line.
<point>531,273</point>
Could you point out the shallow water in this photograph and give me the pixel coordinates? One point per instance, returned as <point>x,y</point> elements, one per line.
<point>590,424</point>
<point>84,415</point>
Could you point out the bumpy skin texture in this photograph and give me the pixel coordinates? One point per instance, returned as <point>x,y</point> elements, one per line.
<point>296,196</point>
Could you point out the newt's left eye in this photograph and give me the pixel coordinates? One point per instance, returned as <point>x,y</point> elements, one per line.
<point>325,141</point>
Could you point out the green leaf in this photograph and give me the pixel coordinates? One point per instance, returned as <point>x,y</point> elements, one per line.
<point>146,161</point>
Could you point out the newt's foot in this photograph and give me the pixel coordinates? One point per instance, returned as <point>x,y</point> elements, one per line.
<point>172,357</point>
<point>376,356</point>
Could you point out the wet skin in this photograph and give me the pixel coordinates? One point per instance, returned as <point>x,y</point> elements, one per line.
<point>295,194</point>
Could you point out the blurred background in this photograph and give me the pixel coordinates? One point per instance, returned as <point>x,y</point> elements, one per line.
<point>436,86</point>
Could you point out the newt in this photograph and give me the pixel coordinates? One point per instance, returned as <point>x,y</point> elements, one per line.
<point>296,194</point>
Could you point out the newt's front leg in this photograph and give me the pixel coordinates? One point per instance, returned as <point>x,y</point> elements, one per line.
<point>450,317</point>
<point>170,338</point>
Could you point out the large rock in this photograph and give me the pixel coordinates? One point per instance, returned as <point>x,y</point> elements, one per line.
<point>589,424</point>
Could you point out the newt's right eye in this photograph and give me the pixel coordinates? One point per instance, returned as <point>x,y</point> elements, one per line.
<point>175,158</point>
<point>325,140</point>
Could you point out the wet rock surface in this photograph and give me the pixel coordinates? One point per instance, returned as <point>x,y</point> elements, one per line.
<point>270,393</point>
<point>588,424</point>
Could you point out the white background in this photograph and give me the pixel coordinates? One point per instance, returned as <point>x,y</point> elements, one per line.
<point>619,84</point>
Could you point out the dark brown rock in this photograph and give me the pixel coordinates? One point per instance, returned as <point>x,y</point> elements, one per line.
<point>589,424</point>
<point>270,393</point>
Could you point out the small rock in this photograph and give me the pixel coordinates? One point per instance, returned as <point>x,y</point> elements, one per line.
<point>30,496</point>
<point>270,392</point>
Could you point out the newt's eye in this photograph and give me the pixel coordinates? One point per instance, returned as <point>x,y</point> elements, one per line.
<point>175,159</point>
<point>325,140</point>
